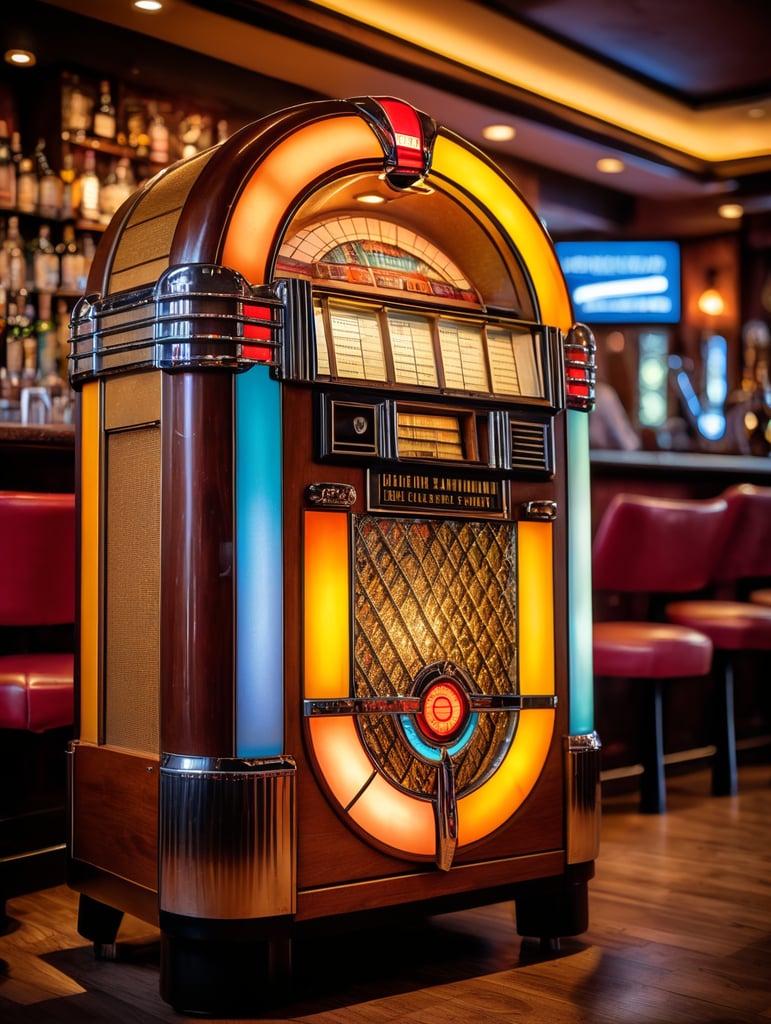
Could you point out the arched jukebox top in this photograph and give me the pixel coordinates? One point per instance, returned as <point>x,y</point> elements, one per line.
<point>186,274</point>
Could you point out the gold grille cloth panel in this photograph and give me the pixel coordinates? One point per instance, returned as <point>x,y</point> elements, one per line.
<point>428,592</point>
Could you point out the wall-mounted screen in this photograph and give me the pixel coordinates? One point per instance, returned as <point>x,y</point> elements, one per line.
<point>622,282</point>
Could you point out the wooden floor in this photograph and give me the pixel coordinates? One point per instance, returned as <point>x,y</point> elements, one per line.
<point>680,933</point>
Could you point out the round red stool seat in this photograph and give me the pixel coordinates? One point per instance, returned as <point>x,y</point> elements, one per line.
<point>649,650</point>
<point>731,625</point>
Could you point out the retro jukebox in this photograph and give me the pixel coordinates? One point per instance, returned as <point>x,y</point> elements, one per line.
<point>334,600</point>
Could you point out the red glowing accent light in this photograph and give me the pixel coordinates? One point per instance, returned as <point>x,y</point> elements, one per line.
<point>258,332</point>
<point>444,710</point>
<point>580,368</point>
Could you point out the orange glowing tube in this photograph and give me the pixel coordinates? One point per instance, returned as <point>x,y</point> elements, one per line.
<point>89,563</point>
<point>326,603</point>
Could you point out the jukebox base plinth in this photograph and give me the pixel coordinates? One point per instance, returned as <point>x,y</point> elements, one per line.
<point>214,978</point>
<point>553,908</point>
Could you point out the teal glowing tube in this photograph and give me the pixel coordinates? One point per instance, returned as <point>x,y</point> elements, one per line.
<point>258,562</point>
<point>580,575</point>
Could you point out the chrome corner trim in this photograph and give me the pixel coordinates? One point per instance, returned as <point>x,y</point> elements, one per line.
<point>331,495</point>
<point>582,796</point>
<point>227,836</point>
<point>541,511</point>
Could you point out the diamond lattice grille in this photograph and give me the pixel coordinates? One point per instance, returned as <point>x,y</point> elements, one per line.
<point>425,592</point>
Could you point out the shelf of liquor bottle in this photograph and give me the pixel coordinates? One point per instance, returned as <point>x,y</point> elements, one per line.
<point>105,147</point>
<point>56,217</point>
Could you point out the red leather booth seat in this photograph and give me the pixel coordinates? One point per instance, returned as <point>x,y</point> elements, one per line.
<point>36,692</point>
<point>37,589</point>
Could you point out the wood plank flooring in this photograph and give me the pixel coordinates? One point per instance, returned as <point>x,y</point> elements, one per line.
<point>680,933</point>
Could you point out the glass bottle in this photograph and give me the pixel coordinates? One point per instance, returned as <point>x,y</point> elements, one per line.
<point>105,121</point>
<point>77,109</point>
<point>89,251</point>
<point>89,188</point>
<point>47,344</point>
<point>159,137</point>
<point>16,256</point>
<point>63,337</point>
<point>116,188</point>
<point>27,187</point>
<point>43,262</point>
<point>3,255</point>
<point>7,170</point>
<point>70,261</point>
<point>67,175</point>
<point>14,350</point>
<point>49,184</point>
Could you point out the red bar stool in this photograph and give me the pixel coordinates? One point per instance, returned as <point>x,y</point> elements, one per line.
<point>654,547</point>
<point>733,626</point>
<point>37,597</point>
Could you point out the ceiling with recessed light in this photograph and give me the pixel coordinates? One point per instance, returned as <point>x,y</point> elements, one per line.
<point>679,93</point>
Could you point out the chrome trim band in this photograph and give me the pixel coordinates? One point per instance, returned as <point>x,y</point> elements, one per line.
<point>227,837</point>
<point>582,797</point>
<point>413,705</point>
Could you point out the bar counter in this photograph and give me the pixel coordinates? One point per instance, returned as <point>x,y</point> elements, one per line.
<point>39,457</point>
<point>670,474</point>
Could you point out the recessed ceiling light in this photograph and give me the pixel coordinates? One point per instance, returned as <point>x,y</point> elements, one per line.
<point>610,165</point>
<point>20,58</point>
<point>372,198</point>
<point>731,211</point>
<point>148,5</point>
<point>499,132</point>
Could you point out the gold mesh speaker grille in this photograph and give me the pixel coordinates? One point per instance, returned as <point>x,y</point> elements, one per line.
<point>428,592</point>
<point>151,226</point>
<point>132,588</point>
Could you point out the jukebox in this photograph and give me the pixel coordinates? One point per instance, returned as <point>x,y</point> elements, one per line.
<point>334,585</point>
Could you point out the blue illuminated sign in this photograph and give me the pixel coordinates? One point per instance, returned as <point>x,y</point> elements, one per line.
<point>622,282</point>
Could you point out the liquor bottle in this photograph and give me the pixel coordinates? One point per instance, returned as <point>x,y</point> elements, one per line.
<point>47,344</point>
<point>159,137</point>
<point>3,331</point>
<point>77,109</point>
<point>89,187</point>
<point>27,187</point>
<point>49,184</point>
<point>105,122</point>
<point>67,175</point>
<point>42,261</point>
<point>136,127</point>
<point>71,272</point>
<point>29,370</point>
<point>14,351</point>
<point>63,337</point>
<point>115,189</point>
<point>7,170</point>
<point>16,256</point>
<point>89,251</point>
<point>3,255</point>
